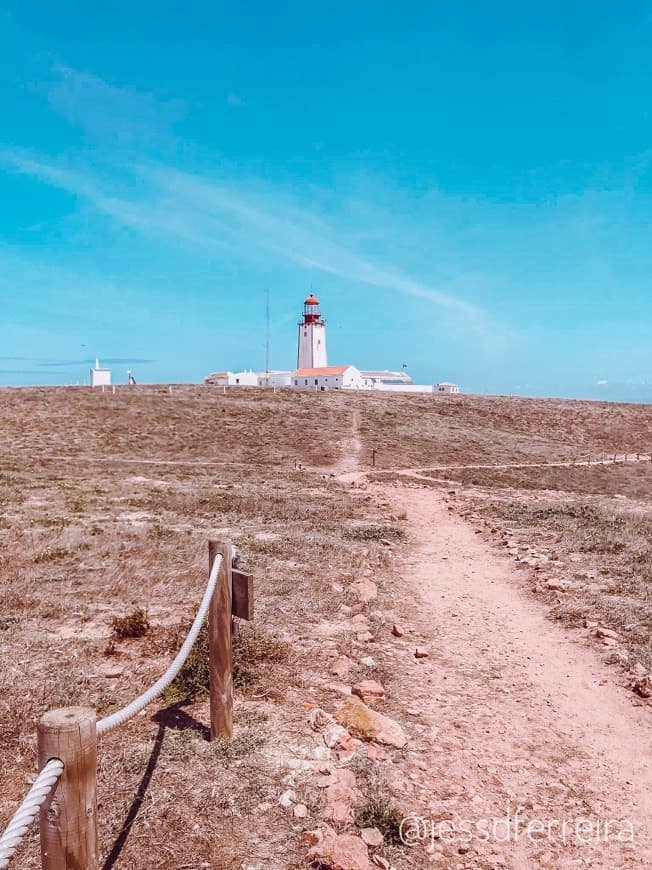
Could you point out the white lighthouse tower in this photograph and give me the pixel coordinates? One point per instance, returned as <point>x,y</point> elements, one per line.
<point>312,337</point>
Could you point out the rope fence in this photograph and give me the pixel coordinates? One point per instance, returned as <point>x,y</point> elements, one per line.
<point>29,809</point>
<point>64,792</point>
<point>121,716</point>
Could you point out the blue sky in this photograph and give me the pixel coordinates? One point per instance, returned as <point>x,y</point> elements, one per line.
<point>467,188</point>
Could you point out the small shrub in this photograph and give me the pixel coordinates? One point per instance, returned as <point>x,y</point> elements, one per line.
<point>192,681</point>
<point>134,624</point>
<point>110,649</point>
<point>379,811</point>
<point>7,621</point>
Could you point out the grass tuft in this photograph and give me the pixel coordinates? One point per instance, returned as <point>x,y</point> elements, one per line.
<point>133,624</point>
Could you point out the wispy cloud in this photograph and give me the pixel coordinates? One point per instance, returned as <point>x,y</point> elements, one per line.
<point>108,112</point>
<point>202,212</point>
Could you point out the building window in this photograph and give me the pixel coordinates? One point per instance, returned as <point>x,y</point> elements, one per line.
<point>306,381</point>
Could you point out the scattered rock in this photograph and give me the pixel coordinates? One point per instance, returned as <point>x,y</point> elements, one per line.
<point>300,811</point>
<point>556,585</point>
<point>359,618</point>
<point>365,590</point>
<point>617,657</point>
<point>369,691</point>
<point>319,719</point>
<point>375,753</point>
<point>340,667</point>
<point>344,852</point>
<point>379,861</point>
<point>638,669</point>
<point>368,662</point>
<point>371,725</point>
<point>287,799</point>
<point>336,737</point>
<point>371,837</point>
<point>643,687</point>
<point>397,631</point>
<point>421,652</point>
<point>341,796</point>
<point>364,637</point>
<point>606,633</point>
<point>311,838</point>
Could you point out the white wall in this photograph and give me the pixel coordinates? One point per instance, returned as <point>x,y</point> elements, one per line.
<point>312,346</point>
<point>243,379</point>
<point>401,388</point>
<point>275,379</point>
<point>100,377</point>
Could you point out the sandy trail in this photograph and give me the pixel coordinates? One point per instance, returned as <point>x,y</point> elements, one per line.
<point>512,711</point>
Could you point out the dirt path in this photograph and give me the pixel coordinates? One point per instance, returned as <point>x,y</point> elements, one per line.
<point>511,712</point>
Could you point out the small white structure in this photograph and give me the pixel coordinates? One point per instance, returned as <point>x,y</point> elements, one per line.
<point>274,379</point>
<point>383,377</point>
<point>311,349</point>
<point>100,377</point>
<point>328,378</point>
<point>446,388</point>
<point>404,388</point>
<point>232,379</point>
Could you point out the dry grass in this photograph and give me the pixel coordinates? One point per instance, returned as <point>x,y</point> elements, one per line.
<point>107,505</point>
<point>107,502</point>
<point>602,554</point>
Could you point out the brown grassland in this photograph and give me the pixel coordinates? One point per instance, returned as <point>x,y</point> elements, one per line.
<point>106,505</point>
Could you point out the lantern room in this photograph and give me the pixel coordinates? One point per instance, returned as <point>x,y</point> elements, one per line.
<point>311,310</point>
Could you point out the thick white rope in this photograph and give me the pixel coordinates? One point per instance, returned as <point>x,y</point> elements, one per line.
<point>122,716</point>
<point>29,809</point>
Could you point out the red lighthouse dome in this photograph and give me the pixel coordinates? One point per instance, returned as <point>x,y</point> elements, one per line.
<point>311,300</point>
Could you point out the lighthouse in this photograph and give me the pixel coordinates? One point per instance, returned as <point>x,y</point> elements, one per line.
<point>312,337</point>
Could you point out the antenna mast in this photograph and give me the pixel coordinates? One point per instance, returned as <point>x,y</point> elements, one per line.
<point>267,332</point>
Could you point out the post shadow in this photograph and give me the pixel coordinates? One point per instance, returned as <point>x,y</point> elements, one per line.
<point>176,719</point>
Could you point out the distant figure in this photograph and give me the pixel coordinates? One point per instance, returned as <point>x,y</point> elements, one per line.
<point>131,378</point>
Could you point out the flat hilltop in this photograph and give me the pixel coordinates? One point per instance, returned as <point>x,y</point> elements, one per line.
<point>497,534</point>
<point>182,422</point>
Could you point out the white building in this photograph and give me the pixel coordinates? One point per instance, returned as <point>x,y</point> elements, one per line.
<point>274,379</point>
<point>232,379</point>
<point>100,377</point>
<point>311,353</point>
<point>328,378</point>
<point>313,371</point>
<point>404,388</point>
<point>446,388</point>
<point>384,377</point>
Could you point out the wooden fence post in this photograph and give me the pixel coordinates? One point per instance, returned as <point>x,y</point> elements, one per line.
<point>220,651</point>
<point>68,817</point>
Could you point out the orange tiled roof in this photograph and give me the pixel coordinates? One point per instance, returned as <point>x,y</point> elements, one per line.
<point>328,370</point>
